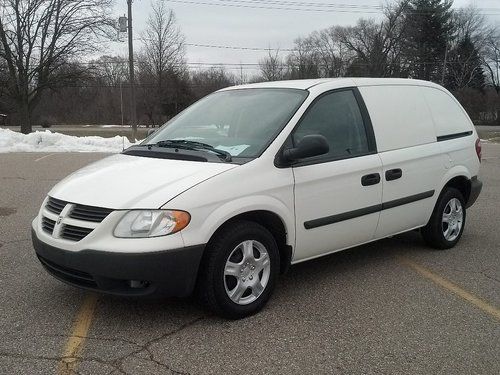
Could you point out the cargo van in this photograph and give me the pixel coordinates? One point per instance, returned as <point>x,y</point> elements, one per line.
<point>252,179</point>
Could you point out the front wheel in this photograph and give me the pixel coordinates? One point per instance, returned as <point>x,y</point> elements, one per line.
<point>447,222</point>
<point>239,270</point>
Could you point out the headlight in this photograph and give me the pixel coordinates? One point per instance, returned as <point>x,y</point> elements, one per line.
<point>151,223</point>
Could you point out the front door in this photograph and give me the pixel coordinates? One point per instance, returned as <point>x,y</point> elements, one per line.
<point>337,195</point>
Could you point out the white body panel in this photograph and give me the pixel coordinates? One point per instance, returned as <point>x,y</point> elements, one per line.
<point>212,203</point>
<point>399,116</point>
<point>405,121</point>
<point>406,140</point>
<point>448,116</point>
<point>334,188</point>
<point>126,182</point>
<point>422,167</point>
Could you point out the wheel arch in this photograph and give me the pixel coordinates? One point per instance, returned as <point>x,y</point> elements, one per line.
<point>457,177</point>
<point>460,179</point>
<point>270,220</point>
<point>462,184</point>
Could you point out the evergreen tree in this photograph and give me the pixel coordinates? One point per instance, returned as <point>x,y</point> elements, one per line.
<point>428,28</point>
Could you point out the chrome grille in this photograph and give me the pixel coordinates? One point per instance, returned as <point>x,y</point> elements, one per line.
<point>89,213</point>
<point>48,225</point>
<point>55,205</point>
<point>73,233</point>
<point>80,212</point>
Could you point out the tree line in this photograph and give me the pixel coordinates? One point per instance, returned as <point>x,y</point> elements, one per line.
<point>45,77</point>
<point>420,39</point>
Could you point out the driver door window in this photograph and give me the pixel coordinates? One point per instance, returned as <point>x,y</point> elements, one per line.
<point>337,117</point>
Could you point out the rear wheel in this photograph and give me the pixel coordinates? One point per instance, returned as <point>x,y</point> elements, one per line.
<point>239,270</point>
<point>447,222</point>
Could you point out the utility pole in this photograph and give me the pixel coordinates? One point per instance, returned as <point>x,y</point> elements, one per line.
<point>133,114</point>
<point>121,100</point>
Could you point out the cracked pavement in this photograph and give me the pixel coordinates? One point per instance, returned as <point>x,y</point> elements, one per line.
<point>358,311</point>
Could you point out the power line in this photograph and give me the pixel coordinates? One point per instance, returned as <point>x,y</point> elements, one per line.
<point>307,4</point>
<point>330,5</point>
<point>124,85</point>
<point>282,5</point>
<point>246,5</point>
<point>195,63</point>
<point>240,48</point>
<point>255,65</point>
<point>229,47</point>
<point>222,64</point>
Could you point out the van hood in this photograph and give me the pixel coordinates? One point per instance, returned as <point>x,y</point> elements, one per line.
<point>126,182</point>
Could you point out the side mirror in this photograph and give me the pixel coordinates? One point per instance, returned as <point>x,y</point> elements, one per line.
<point>310,145</point>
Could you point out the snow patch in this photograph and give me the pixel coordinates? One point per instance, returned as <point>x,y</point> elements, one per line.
<point>47,141</point>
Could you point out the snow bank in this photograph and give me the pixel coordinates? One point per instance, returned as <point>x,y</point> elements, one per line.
<point>48,141</point>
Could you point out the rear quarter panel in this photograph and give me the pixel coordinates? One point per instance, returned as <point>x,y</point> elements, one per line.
<point>412,124</point>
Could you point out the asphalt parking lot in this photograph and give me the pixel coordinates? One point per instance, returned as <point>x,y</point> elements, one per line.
<point>390,307</point>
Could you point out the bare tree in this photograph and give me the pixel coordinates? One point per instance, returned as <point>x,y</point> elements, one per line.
<point>4,79</point>
<point>464,66</point>
<point>164,47</point>
<point>376,45</point>
<point>209,80</point>
<point>466,49</point>
<point>331,53</point>
<point>40,37</point>
<point>470,23</point>
<point>112,70</point>
<point>272,67</point>
<point>303,62</point>
<point>162,60</point>
<point>492,59</point>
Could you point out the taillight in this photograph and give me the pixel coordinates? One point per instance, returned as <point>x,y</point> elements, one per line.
<point>478,149</point>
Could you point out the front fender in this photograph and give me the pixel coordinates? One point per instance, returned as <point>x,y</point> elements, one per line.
<point>217,217</point>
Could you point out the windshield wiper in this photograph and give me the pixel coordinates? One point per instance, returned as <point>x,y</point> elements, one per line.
<point>193,146</point>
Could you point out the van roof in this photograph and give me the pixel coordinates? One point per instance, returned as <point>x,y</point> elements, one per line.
<point>304,84</point>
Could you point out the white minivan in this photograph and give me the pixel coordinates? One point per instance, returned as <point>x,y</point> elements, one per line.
<point>254,178</point>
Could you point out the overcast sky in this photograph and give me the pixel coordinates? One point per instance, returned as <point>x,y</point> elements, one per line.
<point>248,27</point>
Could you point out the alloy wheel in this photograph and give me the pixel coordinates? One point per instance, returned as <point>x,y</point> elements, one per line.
<point>246,272</point>
<point>452,220</point>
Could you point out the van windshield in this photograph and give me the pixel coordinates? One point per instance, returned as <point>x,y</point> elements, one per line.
<point>240,122</point>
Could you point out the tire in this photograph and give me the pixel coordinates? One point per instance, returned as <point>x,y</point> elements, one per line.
<point>225,270</point>
<point>435,234</point>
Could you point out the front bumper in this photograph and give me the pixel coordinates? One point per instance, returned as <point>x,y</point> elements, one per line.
<point>475,189</point>
<point>162,273</point>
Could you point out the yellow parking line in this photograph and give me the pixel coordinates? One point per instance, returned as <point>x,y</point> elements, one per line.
<point>43,157</point>
<point>448,285</point>
<point>81,326</point>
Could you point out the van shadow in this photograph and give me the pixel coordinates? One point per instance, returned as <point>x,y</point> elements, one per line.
<point>372,253</point>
